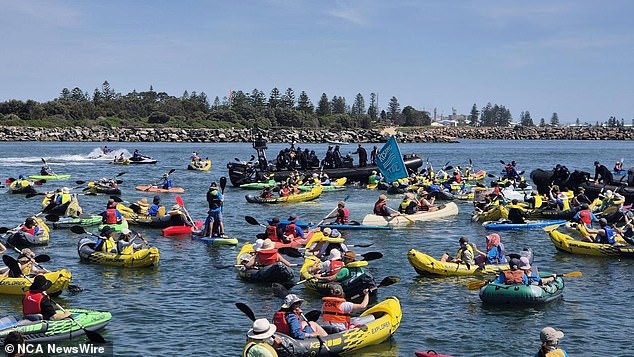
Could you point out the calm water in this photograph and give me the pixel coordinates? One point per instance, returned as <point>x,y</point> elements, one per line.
<point>186,305</point>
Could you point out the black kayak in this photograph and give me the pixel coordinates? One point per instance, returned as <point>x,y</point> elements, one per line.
<point>276,273</point>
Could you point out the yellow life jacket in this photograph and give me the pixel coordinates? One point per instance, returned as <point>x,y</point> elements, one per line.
<point>248,346</point>
<point>108,245</point>
<point>66,197</point>
<point>461,251</point>
<point>538,201</point>
<point>161,211</point>
<point>128,250</point>
<point>556,353</point>
<point>405,204</point>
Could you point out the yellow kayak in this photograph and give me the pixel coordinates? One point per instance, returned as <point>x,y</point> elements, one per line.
<point>427,265</point>
<point>299,197</point>
<point>566,243</point>
<point>493,214</point>
<point>202,165</point>
<point>19,286</point>
<point>141,258</point>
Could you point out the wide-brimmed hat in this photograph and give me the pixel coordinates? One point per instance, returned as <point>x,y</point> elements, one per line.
<point>262,329</point>
<point>126,231</point>
<point>350,255</point>
<point>292,217</point>
<point>525,264</point>
<point>268,244</point>
<point>106,231</point>
<point>258,244</point>
<point>65,190</point>
<point>335,254</point>
<point>291,299</point>
<point>40,283</point>
<point>382,197</point>
<point>335,233</point>
<point>275,220</point>
<point>327,231</point>
<point>142,202</point>
<point>549,334</point>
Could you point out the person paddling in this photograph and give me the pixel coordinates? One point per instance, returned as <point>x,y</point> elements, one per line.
<point>125,244</point>
<point>381,208</point>
<point>156,208</point>
<point>36,304</point>
<point>289,320</point>
<point>266,256</point>
<point>214,226</point>
<point>105,242</point>
<point>261,341</point>
<point>550,343</point>
<point>111,215</point>
<point>336,310</point>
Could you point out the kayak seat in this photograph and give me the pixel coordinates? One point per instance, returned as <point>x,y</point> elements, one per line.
<point>34,317</point>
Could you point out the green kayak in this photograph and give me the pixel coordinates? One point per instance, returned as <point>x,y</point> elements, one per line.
<point>258,185</point>
<point>215,241</point>
<point>117,227</point>
<point>325,188</point>
<point>83,220</point>
<point>49,177</point>
<point>54,330</point>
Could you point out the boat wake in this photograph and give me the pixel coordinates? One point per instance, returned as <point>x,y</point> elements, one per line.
<point>74,159</point>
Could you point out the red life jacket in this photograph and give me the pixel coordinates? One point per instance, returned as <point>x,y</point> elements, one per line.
<point>331,311</point>
<point>342,217</point>
<point>30,231</point>
<point>285,192</point>
<point>266,257</point>
<point>458,178</point>
<point>31,303</point>
<point>335,266</point>
<point>279,320</point>
<point>585,217</point>
<point>290,230</point>
<point>514,276</point>
<point>271,233</point>
<point>111,216</point>
<point>378,207</point>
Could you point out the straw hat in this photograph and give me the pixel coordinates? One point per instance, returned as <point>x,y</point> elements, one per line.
<point>142,202</point>
<point>258,244</point>
<point>262,329</point>
<point>335,254</point>
<point>268,244</point>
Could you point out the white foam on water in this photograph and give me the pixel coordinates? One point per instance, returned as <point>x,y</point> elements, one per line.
<point>75,159</point>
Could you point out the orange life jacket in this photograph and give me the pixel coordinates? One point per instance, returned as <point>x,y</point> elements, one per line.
<point>111,216</point>
<point>378,207</point>
<point>342,217</point>
<point>266,257</point>
<point>514,276</point>
<point>331,310</point>
<point>31,303</point>
<point>279,319</point>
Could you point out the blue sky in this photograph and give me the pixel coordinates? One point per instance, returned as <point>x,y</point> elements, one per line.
<point>570,57</point>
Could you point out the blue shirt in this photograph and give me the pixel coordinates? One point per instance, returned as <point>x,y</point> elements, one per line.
<point>295,327</point>
<point>219,208</point>
<point>496,255</point>
<point>153,210</point>
<point>167,183</point>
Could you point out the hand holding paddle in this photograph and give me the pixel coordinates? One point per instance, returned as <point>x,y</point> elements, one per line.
<point>387,281</point>
<point>157,183</point>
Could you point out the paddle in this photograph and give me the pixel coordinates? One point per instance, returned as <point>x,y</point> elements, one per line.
<point>477,284</point>
<point>81,230</point>
<point>249,313</point>
<point>156,184</point>
<point>92,335</point>
<point>49,170</point>
<point>331,212</point>
<point>223,184</point>
<point>52,217</point>
<point>400,215</point>
<point>387,281</point>
<point>253,221</point>
<point>181,203</point>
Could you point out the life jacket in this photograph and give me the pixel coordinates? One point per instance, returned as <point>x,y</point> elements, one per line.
<point>373,180</point>
<point>608,238</point>
<point>63,199</point>
<point>285,192</point>
<point>108,245</point>
<point>279,320</point>
<point>266,257</point>
<point>405,204</point>
<point>214,201</point>
<point>127,250</point>
<point>564,205</point>
<point>335,266</point>
<point>537,201</point>
<point>271,233</point>
<point>248,346</point>
<point>331,310</point>
<point>378,207</point>
<point>111,216</point>
<point>585,216</point>
<point>289,230</point>
<point>458,179</point>
<point>513,276</point>
<point>461,251</point>
<point>31,303</point>
<point>30,231</point>
<point>344,219</point>
<point>556,353</point>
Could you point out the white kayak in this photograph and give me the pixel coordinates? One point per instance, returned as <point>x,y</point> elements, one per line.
<point>447,210</point>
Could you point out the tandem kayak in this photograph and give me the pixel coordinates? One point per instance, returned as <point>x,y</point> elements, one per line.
<point>336,185</point>
<point>385,318</point>
<point>202,165</point>
<point>21,239</point>
<point>276,273</point>
<point>82,220</point>
<point>19,286</point>
<point>49,177</point>
<point>160,189</point>
<point>524,295</point>
<point>258,185</point>
<point>566,243</point>
<point>353,226</point>
<point>21,187</point>
<point>425,264</point>
<point>446,210</point>
<point>353,287</point>
<point>117,227</point>
<point>95,187</point>
<point>215,240</point>
<point>54,330</point>
<point>299,197</point>
<point>507,225</point>
<point>141,258</point>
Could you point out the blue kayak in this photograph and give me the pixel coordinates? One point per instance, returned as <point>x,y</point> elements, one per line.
<point>502,226</point>
<point>341,227</point>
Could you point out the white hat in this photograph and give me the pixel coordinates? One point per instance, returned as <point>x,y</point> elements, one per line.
<point>268,244</point>
<point>608,193</point>
<point>549,334</point>
<point>126,231</point>
<point>291,299</point>
<point>262,329</point>
<point>258,244</point>
<point>335,254</point>
<point>524,263</point>
<point>67,190</point>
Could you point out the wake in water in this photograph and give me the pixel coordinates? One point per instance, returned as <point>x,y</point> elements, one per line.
<point>95,154</point>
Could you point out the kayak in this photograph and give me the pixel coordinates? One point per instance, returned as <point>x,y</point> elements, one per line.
<point>21,239</point>
<point>141,258</point>
<point>124,162</point>
<point>68,209</point>
<point>117,227</point>
<point>181,229</point>
<point>82,220</point>
<point>430,353</point>
<point>49,177</point>
<point>276,273</point>
<point>24,187</point>
<point>507,225</point>
<point>299,197</point>
<point>566,243</point>
<point>159,189</point>
<point>518,294</point>
<point>142,160</point>
<point>93,187</point>
<point>337,185</point>
<point>427,265</point>
<point>215,240</point>
<point>493,214</point>
<point>352,287</point>
<point>480,175</point>
<point>19,286</point>
<point>342,227</point>
<point>386,315</point>
<point>54,330</point>
<point>203,165</point>
<point>447,210</point>
<point>258,185</point>
<point>549,213</point>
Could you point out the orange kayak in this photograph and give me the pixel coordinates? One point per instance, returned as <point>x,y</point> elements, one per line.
<point>159,189</point>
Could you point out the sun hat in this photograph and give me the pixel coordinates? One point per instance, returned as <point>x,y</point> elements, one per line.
<point>524,263</point>
<point>40,283</point>
<point>327,231</point>
<point>335,254</point>
<point>275,220</point>
<point>292,217</point>
<point>549,334</point>
<point>341,203</point>
<point>291,299</point>
<point>106,231</point>
<point>268,244</point>
<point>335,233</point>
<point>464,240</point>
<point>350,255</point>
<point>373,172</point>
<point>142,202</point>
<point>258,244</point>
<point>382,197</point>
<point>126,231</point>
<point>608,193</point>
<point>262,329</point>
<point>65,190</point>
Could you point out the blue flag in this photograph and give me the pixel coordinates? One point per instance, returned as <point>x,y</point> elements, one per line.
<point>390,161</point>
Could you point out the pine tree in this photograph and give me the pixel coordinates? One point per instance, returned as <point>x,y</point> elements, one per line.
<point>394,110</point>
<point>358,108</point>
<point>554,120</point>
<point>304,104</point>
<point>542,122</point>
<point>323,107</point>
<point>373,110</point>
<point>338,105</point>
<point>473,116</point>
<point>288,99</point>
<point>275,98</point>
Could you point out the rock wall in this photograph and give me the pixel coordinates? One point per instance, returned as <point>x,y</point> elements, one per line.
<point>436,134</point>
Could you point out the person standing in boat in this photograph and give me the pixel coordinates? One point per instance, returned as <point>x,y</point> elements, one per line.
<point>602,174</point>
<point>214,225</point>
<point>373,155</point>
<point>363,156</point>
<point>336,155</point>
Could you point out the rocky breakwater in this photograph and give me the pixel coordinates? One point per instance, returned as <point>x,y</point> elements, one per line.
<point>419,135</point>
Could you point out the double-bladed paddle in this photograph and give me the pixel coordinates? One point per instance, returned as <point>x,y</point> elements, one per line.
<point>477,284</point>
<point>156,184</point>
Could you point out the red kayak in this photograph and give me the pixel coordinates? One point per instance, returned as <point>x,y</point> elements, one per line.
<point>430,353</point>
<point>180,230</point>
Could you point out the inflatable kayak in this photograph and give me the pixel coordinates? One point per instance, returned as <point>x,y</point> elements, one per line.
<point>386,318</point>
<point>202,165</point>
<point>517,294</point>
<point>181,229</point>
<point>94,187</point>
<point>566,243</point>
<point>507,225</point>
<point>117,227</point>
<point>430,353</point>
<point>215,241</point>
<point>82,220</point>
<point>124,162</point>
<point>49,177</point>
<point>54,330</point>
<point>159,189</point>
<point>23,187</point>
<point>19,286</point>
<point>447,210</point>
<point>352,287</point>
<point>276,273</point>
<point>141,258</point>
<point>341,227</point>
<point>492,214</point>
<point>21,239</point>
<point>138,160</point>
<point>477,176</point>
<point>258,185</point>
<point>427,265</point>
<point>337,185</point>
<point>300,197</point>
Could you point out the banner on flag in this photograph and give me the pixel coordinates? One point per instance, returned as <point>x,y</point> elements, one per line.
<point>390,161</point>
